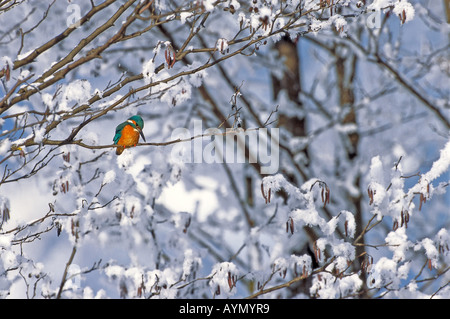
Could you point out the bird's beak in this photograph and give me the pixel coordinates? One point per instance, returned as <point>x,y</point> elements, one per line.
<point>141,133</point>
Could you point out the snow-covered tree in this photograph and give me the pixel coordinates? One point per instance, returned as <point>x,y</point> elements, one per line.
<point>294,149</point>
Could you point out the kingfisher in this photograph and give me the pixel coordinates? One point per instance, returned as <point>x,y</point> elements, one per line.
<point>127,133</point>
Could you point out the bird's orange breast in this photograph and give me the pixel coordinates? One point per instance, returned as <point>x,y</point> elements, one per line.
<point>130,137</point>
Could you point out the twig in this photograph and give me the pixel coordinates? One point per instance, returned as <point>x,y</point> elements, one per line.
<point>271,112</point>
<point>64,278</point>
<point>290,282</point>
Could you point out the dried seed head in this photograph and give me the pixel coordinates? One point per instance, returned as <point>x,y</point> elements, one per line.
<point>290,225</point>
<point>66,157</point>
<point>327,196</point>
<point>423,199</point>
<point>230,281</point>
<point>395,226</point>
<point>316,252</point>
<point>169,59</point>
<point>371,193</point>
<point>402,220</point>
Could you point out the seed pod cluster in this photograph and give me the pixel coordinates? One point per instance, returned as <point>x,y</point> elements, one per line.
<point>187,224</point>
<point>304,272</point>
<point>290,225</point>
<point>6,72</point>
<point>230,8</point>
<point>170,56</point>
<point>360,4</point>
<point>74,228</point>
<point>367,263</point>
<point>371,193</point>
<point>402,17</point>
<point>404,220</point>
<point>66,157</point>
<point>222,46</point>
<point>324,193</point>
<point>317,253</point>
<point>442,248</point>
<point>5,214</point>
<point>65,187</point>
<point>324,3</point>
<point>232,279</point>
<point>253,7</point>
<point>141,288</point>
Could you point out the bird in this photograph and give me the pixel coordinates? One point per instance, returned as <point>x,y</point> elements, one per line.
<point>127,133</point>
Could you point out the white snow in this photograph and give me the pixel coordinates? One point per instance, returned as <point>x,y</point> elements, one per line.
<point>109,177</point>
<point>5,146</point>
<point>404,6</point>
<point>77,91</point>
<point>440,166</point>
<point>184,16</point>
<point>148,70</point>
<point>397,242</point>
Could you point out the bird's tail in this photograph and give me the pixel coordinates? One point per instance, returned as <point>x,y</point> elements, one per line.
<point>119,150</point>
